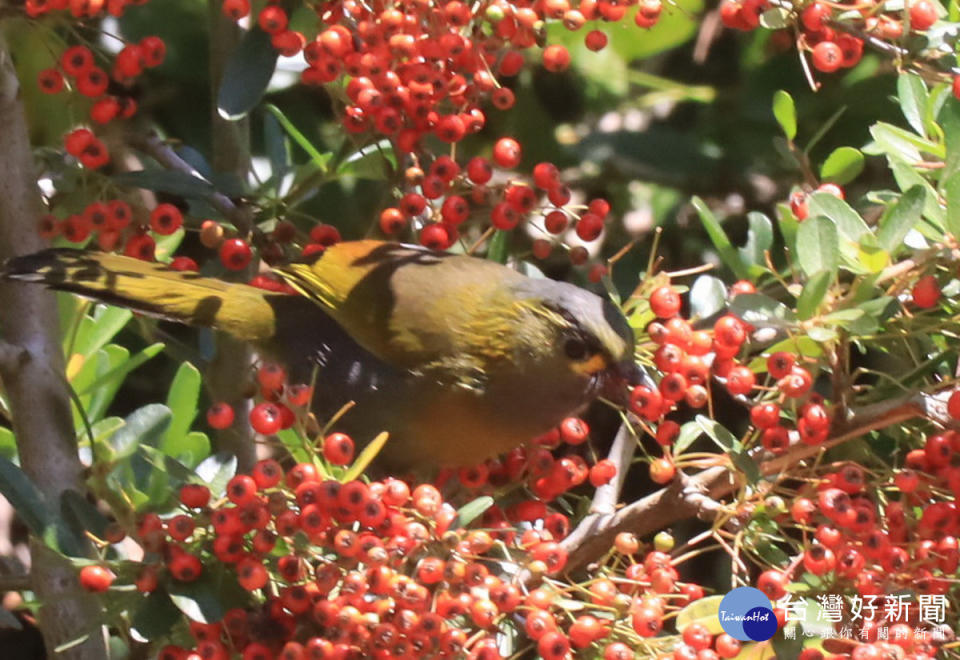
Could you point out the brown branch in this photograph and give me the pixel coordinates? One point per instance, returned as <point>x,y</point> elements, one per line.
<point>31,368</point>
<point>621,453</point>
<point>701,494</point>
<point>163,153</point>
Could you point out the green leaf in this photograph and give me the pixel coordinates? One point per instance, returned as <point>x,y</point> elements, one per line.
<point>292,441</point>
<point>952,193</point>
<point>912,93</point>
<point>732,446</point>
<point>8,444</point>
<point>97,330</point>
<point>145,425</point>
<point>191,448</point>
<point>949,121</point>
<point>120,371</point>
<point>318,159</point>
<point>786,113</point>
<point>689,432</point>
<point>24,496</point>
<point>156,616</point>
<point>759,240</point>
<point>471,511</point>
<point>907,177</point>
<point>277,149</point>
<point>728,254</point>
<point>199,599</point>
<point>895,142</point>
<point>871,258</point>
<point>904,215</point>
<point>842,166</point>
<point>813,292</point>
<point>817,246</point>
<point>499,248</point>
<point>182,402</point>
<point>174,182</point>
<point>216,471</point>
<point>374,161</point>
<point>366,457</point>
<point>246,75</point>
<point>848,222</point>
<point>762,311</point>
<point>177,471</point>
<point>708,295</point>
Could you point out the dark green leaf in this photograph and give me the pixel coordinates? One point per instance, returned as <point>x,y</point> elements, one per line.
<point>762,311</point>
<point>178,472</point>
<point>471,511</point>
<point>728,254</point>
<point>246,75</point>
<point>374,161</point>
<point>904,215</point>
<point>812,295</point>
<point>145,425</point>
<point>25,497</point>
<point>708,295</point>
<point>199,600</point>
<point>168,181</point>
<point>716,431</point>
<point>156,616</point>
<point>912,93</point>
<point>842,166</point>
<point>786,113</point>
<point>818,246</point>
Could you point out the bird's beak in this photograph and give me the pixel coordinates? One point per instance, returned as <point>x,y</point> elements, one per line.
<point>620,377</point>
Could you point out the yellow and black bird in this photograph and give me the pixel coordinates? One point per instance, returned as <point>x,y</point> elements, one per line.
<point>458,358</point>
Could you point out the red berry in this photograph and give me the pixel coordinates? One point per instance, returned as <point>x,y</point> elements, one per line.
<point>195,496</point>
<point>235,254</point>
<point>827,57</point>
<point>595,40</point>
<point>236,9</point>
<point>556,58</point>
<point>665,302</point>
<point>50,81</point>
<point>603,472</point>
<point>96,578</point>
<point>507,153</point>
<point>265,418</point>
<point>923,14</point>
<point>662,471</point>
<point>338,448</point>
<point>165,219</point>
<point>926,292</point>
<point>220,415</point>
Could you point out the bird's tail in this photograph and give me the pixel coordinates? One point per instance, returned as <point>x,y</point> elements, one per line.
<point>243,311</point>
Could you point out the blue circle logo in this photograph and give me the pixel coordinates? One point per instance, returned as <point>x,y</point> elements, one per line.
<point>747,614</point>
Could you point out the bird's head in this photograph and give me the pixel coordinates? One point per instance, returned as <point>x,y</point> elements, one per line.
<point>589,337</point>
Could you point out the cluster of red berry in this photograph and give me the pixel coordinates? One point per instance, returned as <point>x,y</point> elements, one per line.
<point>833,34</point>
<point>341,570</point>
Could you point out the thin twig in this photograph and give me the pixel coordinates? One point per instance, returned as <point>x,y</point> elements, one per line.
<point>163,153</point>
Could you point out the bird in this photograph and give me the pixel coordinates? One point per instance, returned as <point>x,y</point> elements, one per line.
<point>457,358</point>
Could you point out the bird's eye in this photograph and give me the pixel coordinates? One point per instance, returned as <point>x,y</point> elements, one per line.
<point>575,349</point>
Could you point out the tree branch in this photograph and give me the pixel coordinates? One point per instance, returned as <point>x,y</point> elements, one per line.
<point>30,364</point>
<point>701,494</point>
